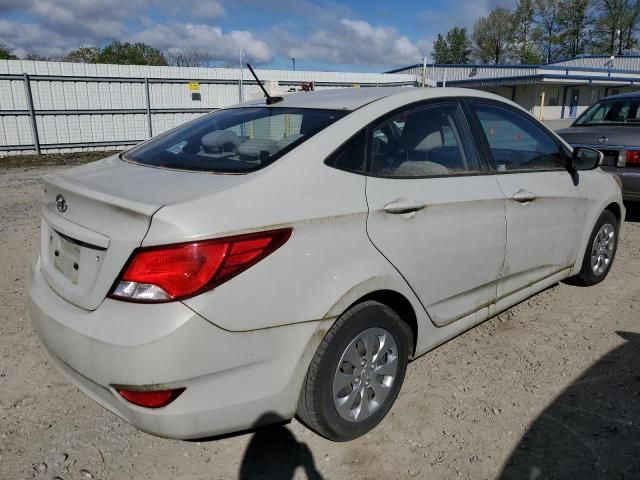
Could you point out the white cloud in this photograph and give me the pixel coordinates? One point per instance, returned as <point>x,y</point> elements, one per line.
<point>352,42</point>
<point>206,10</point>
<point>25,38</point>
<point>56,26</point>
<point>321,32</point>
<point>217,45</point>
<point>94,21</point>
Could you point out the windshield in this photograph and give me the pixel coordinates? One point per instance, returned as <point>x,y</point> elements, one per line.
<point>236,140</point>
<point>611,112</point>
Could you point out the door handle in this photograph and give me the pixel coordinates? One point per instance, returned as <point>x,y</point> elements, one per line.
<point>402,206</point>
<point>523,196</point>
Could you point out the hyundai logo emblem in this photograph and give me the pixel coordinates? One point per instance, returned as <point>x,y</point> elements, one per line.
<point>602,140</point>
<point>61,203</point>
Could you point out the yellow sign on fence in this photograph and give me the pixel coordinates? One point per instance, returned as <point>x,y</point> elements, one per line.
<point>194,86</point>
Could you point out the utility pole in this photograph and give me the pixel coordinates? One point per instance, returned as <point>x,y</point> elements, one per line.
<point>293,62</point>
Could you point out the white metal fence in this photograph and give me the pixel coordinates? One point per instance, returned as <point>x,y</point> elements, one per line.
<point>62,107</point>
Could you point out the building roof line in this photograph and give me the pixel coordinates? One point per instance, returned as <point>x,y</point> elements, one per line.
<point>556,64</point>
<point>542,77</point>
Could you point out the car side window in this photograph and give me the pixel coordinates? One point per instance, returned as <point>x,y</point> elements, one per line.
<point>350,156</point>
<point>516,142</point>
<point>426,142</point>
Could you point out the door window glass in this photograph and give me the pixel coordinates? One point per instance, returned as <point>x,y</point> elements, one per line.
<point>350,156</point>
<point>423,143</point>
<point>516,142</point>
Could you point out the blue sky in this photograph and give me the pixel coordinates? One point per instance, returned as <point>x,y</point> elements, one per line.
<point>357,35</point>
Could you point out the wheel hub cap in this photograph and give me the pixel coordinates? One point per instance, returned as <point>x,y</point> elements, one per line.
<point>602,249</point>
<point>365,374</point>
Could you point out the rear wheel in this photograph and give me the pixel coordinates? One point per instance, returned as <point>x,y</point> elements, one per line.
<point>600,251</point>
<point>356,374</point>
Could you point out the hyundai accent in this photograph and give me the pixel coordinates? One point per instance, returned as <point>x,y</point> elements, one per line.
<point>288,258</point>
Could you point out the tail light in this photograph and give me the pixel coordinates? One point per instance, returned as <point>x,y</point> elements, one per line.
<point>175,272</point>
<point>633,157</point>
<point>150,398</point>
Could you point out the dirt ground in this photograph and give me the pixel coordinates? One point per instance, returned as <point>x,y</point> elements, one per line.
<point>549,389</point>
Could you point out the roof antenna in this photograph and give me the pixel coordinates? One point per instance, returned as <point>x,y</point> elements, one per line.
<point>270,100</point>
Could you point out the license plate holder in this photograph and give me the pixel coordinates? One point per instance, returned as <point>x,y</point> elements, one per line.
<point>66,258</point>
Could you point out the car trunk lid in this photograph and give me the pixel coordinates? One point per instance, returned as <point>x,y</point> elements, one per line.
<point>612,141</point>
<point>96,215</point>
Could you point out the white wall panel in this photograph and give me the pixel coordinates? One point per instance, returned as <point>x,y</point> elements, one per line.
<point>68,96</point>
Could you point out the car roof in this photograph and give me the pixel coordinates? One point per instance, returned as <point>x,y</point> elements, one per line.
<point>622,96</point>
<point>354,98</point>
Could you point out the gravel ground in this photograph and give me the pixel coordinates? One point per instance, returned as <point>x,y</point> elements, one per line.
<point>549,389</point>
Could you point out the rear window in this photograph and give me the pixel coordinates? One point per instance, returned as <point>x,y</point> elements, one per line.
<point>611,112</point>
<point>236,140</point>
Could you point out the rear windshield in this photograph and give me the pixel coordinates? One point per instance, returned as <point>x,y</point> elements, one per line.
<point>612,112</point>
<point>236,140</point>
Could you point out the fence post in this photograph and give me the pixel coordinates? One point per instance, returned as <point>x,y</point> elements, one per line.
<point>148,97</point>
<point>32,113</point>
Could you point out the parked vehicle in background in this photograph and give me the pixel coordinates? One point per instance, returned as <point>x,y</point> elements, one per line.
<point>612,125</point>
<point>289,257</point>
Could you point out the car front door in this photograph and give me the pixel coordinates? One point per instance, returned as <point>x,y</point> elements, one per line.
<point>435,211</point>
<point>546,204</point>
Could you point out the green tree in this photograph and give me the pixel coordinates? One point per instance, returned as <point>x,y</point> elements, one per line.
<point>5,53</point>
<point>525,37</point>
<point>548,12</point>
<point>132,54</point>
<point>84,55</point>
<point>616,23</point>
<point>459,46</point>
<point>493,36</point>
<point>455,48</point>
<point>573,21</point>
<point>440,53</point>
<point>35,56</point>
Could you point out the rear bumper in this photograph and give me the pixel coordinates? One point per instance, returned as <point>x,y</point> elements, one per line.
<point>233,380</point>
<point>630,181</point>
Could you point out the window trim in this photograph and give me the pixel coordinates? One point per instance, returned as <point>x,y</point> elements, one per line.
<point>332,157</point>
<point>273,159</point>
<point>483,143</point>
<point>465,132</point>
<point>485,168</point>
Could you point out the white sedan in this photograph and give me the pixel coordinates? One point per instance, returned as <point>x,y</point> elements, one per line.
<point>285,258</point>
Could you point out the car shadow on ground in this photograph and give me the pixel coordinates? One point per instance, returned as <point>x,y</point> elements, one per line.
<point>592,430</point>
<point>274,453</point>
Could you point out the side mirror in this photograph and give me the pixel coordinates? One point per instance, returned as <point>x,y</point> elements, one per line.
<point>585,158</point>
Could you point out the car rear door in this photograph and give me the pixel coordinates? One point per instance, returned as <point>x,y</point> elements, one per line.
<point>435,211</point>
<point>545,203</point>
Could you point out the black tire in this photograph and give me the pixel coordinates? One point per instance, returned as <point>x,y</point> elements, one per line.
<point>316,408</point>
<point>587,276</point>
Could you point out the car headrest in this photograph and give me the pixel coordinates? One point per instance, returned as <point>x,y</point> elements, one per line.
<point>224,140</point>
<point>423,130</point>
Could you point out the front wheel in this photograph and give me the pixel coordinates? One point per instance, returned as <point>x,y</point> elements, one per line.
<point>600,251</point>
<point>356,374</point>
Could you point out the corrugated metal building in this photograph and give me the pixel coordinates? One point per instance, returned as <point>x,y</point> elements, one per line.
<point>558,90</point>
